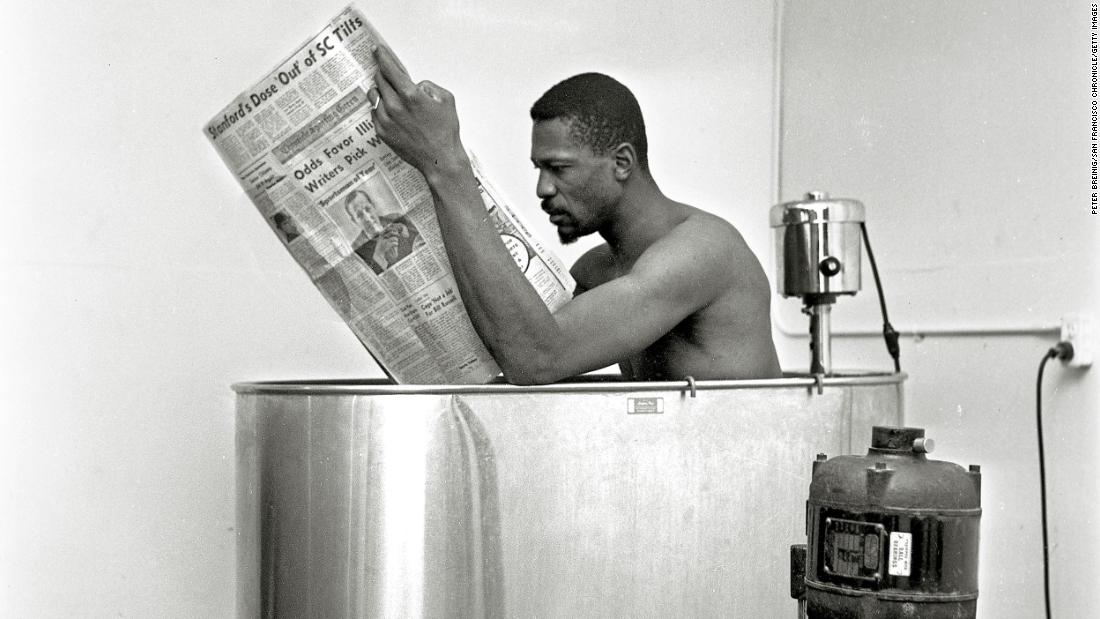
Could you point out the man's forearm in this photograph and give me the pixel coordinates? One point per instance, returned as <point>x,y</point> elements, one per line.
<point>506,311</point>
<point>420,123</point>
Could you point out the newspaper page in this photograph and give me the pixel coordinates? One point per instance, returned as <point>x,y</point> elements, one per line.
<point>358,219</point>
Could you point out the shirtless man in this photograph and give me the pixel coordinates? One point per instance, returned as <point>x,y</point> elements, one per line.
<point>674,291</point>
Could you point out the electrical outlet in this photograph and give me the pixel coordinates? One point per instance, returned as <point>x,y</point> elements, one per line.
<point>1079,330</point>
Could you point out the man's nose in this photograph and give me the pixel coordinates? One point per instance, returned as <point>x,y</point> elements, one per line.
<point>545,186</point>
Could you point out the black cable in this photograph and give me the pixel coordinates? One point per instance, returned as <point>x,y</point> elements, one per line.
<point>1043,476</point>
<point>1063,350</point>
<point>888,332</point>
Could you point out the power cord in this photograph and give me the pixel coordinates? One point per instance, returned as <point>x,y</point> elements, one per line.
<point>888,332</point>
<point>1063,351</point>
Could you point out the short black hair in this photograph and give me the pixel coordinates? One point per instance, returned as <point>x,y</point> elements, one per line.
<point>602,113</point>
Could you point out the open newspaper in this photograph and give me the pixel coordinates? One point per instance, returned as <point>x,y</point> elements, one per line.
<point>357,218</point>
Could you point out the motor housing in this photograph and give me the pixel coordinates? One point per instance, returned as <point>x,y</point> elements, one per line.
<point>892,533</point>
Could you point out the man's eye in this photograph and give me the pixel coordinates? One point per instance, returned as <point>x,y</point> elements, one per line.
<point>552,167</point>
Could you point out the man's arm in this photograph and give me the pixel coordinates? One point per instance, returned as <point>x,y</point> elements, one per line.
<point>676,276</point>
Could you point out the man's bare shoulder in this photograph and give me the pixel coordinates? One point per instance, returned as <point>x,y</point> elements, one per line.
<point>593,268</point>
<point>709,252</point>
<point>711,227</point>
<point>704,239</point>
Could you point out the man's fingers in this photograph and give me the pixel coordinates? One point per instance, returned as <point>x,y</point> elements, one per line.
<point>436,93</point>
<point>391,69</point>
<point>381,115</point>
<point>388,95</point>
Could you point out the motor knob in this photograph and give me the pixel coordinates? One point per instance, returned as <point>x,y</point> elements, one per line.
<point>829,266</point>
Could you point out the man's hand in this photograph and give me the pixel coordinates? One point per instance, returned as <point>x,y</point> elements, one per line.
<point>418,121</point>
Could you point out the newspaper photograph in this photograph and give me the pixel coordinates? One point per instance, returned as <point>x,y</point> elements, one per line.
<point>358,219</point>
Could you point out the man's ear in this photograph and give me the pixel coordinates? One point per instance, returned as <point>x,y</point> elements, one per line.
<point>626,161</point>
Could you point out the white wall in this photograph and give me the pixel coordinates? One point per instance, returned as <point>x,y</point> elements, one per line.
<point>139,283</point>
<point>964,128</point>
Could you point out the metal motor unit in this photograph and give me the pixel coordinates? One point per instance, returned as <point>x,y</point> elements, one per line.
<point>890,534</point>
<point>817,243</point>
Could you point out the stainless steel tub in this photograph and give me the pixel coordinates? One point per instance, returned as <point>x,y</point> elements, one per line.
<point>585,499</point>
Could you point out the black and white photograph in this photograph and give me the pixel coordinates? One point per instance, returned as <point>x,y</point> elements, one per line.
<point>486,309</point>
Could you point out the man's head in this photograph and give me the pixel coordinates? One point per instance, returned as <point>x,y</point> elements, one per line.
<point>359,207</point>
<point>600,111</point>
<point>588,140</point>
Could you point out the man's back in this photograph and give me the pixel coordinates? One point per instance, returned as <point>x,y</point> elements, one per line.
<point>728,337</point>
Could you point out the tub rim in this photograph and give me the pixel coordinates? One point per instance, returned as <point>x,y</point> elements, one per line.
<point>591,383</point>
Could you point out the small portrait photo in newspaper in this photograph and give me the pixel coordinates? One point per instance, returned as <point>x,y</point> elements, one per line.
<point>375,224</point>
<point>361,210</point>
<point>286,226</point>
<point>290,230</point>
<point>398,239</point>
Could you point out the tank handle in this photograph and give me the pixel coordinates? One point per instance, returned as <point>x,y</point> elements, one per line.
<point>691,385</point>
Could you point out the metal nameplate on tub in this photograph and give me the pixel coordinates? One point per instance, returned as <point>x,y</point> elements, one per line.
<point>645,406</point>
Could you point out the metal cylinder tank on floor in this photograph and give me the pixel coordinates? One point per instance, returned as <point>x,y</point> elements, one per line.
<point>587,499</point>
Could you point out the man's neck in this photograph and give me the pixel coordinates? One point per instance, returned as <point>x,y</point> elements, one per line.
<point>643,215</point>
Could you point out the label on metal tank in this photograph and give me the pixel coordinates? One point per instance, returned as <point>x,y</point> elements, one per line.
<point>901,553</point>
<point>645,406</point>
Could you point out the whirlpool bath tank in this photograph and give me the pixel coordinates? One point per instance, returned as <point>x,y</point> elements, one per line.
<point>585,499</point>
